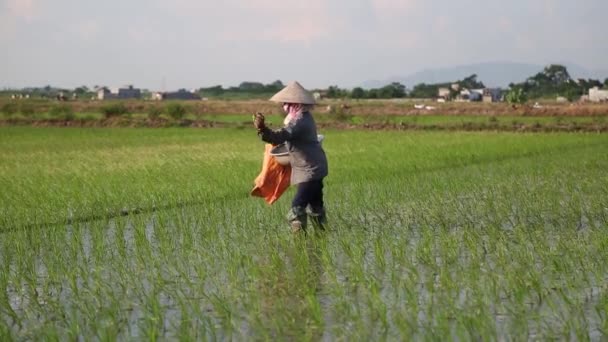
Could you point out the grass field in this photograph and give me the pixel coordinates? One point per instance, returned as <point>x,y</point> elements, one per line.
<point>426,120</point>
<point>432,235</point>
<point>334,114</point>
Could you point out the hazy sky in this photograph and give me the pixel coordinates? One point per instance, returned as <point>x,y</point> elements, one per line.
<point>194,43</point>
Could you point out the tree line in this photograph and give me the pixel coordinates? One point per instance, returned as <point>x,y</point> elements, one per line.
<point>554,80</point>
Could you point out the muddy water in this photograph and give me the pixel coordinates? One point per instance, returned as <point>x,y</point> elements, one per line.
<point>184,297</point>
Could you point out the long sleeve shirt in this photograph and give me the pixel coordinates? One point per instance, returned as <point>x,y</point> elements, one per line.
<point>307,157</point>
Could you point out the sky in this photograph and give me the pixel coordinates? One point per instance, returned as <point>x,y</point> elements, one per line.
<point>171,44</point>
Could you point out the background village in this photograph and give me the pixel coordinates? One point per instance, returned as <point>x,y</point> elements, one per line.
<point>553,83</point>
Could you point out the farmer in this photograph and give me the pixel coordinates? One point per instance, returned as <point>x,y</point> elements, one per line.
<point>306,156</point>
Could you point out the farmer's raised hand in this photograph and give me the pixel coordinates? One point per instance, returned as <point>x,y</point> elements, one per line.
<point>258,121</point>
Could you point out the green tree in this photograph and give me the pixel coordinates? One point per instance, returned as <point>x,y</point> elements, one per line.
<point>397,90</point>
<point>274,86</point>
<point>251,87</point>
<point>81,90</point>
<point>557,74</point>
<point>335,92</point>
<point>212,91</point>
<point>392,91</point>
<point>572,93</point>
<point>385,92</point>
<point>553,81</point>
<point>606,83</point>
<point>594,83</point>
<point>357,93</point>
<point>516,96</point>
<point>471,82</point>
<point>372,94</point>
<point>424,91</point>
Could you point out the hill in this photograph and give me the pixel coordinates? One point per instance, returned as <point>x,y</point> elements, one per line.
<point>492,74</point>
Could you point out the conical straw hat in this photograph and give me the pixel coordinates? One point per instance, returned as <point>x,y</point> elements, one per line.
<point>294,93</point>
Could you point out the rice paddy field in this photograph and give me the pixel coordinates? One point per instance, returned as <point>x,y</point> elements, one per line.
<point>150,234</point>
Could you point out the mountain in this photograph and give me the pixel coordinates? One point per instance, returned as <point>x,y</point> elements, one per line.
<point>492,74</point>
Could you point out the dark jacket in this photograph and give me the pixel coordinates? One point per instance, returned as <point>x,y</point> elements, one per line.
<point>308,160</point>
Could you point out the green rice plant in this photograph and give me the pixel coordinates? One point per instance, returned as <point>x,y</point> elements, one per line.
<point>9,109</point>
<point>176,110</point>
<point>27,109</point>
<point>154,112</point>
<point>63,111</point>
<point>114,110</point>
<point>131,233</point>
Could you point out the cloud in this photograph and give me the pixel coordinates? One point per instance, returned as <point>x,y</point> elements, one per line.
<point>24,9</point>
<point>400,16</point>
<point>442,24</point>
<point>293,21</point>
<point>88,30</point>
<point>549,8</point>
<point>394,5</point>
<point>141,33</point>
<point>287,7</point>
<point>302,31</point>
<point>287,21</point>
<point>504,24</point>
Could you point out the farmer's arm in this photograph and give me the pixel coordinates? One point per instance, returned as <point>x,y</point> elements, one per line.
<point>278,136</point>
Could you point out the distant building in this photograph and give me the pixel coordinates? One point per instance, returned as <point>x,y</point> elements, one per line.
<point>492,95</point>
<point>181,94</point>
<point>319,95</point>
<point>119,94</point>
<point>443,93</point>
<point>476,95</point>
<point>598,95</point>
<point>479,95</point>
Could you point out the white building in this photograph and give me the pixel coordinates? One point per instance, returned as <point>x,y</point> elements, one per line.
<point>598,95</point>
<point>443,93</point>
<point>119,94</point>
<point>181,94</point>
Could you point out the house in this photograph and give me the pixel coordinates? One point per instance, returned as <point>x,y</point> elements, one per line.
<point>476,95</point>
<point>492,95</point>
<point>128,92</point>
<point>104,93</point>
<point>319,95</point>
<point>598,95</point>
<point>157,96</point>
<point>443,93</point>
<point>467,95</point>
<point>181,94</point>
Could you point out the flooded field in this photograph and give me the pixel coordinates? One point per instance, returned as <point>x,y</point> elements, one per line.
<point>150,234</point>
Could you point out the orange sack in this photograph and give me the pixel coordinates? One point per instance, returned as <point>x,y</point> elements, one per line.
<point>274,179</point>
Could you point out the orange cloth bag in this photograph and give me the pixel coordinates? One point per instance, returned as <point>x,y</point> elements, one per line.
<point>274,179</point>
